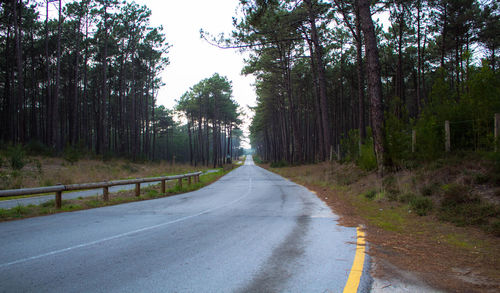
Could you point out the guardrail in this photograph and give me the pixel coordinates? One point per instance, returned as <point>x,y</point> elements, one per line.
<point>58,189</point>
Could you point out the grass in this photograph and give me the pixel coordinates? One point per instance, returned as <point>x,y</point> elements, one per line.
<point>47,171</point>
<point>82,203</point>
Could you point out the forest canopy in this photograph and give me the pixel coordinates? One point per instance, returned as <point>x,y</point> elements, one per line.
<point>86,77</point>
<point>332,81</point>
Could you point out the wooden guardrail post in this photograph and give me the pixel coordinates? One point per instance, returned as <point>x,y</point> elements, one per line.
<point>163,186</point>
<point>198,178</point>
<point>497,131</point>
<point>447,143</point>
<point>180,182</point>
<point>189,180</point>
<point>58,199</point>
<point>138,189</point>
<point>105,193</point>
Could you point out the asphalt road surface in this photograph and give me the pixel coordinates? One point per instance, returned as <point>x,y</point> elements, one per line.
<point>251,231</point>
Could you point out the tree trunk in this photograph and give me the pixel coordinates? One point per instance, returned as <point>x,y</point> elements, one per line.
<point>374,82</point>
<point>56,136</point>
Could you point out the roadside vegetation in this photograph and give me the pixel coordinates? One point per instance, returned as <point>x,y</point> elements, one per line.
<point>20,169</point>
<point>82,203</point>
<point>441,216</point>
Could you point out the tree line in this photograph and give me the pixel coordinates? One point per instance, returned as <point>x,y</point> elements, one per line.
<point>330,79</point>
<point>85,75</point>
<point>212,122</point>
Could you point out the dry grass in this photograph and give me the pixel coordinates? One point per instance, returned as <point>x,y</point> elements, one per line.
<point>456,259</point>
<point>46,171</point>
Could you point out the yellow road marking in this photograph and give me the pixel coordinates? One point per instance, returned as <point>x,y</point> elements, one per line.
<point>357,266</point>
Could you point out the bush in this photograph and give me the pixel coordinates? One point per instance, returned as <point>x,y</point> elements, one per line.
<point>429,190</point>
<point>279,164</point>
<point>349,145</point>
<point>461,208</point>
<point>494,228</point>
<point>407,197</point>
<point>71,154</point>
<point>17,157</point>
<point>36,148</point>
<point>367,160</point>
<point>421,205</point>
<point>370,194</point>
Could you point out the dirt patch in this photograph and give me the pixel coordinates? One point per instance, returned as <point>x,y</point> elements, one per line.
<point>438,254</point>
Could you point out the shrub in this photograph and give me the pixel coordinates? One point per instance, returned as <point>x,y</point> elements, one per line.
<point>407,197</point>
<point>370,194</point>
<point>17,157</point>
<point>35,147</point>
<point>429,190</point>
<point>461,208</point>
<point>454,194</point>
<point>494,227</point>
<point>367,160</point>
<point>421,205</point>
<point>129,167</point>
<point>480,178</point>
<point>279,164</point>
<point>71,154</point>
<point>389,184</point>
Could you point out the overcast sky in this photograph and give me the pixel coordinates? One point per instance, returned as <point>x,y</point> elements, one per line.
<point>193,59</point>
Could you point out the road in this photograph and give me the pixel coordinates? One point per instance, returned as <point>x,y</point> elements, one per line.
<point>251,231</point>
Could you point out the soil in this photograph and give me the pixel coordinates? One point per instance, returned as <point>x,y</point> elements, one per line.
<point>420,253</point>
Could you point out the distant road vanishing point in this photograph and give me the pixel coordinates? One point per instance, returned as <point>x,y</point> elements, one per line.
<point>251,231</point>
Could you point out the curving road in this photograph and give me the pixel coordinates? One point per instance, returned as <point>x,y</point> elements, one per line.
<point>251,231</point>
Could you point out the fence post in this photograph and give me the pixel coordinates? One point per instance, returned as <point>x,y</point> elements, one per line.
<point>447,143</point>
<point>180,182</point>
<point>58,199</point>
<point>497,131</point>
<point>198,178</point>
<point>138,189</point>
<point>413,140</point>
<point>163,186</point>
<point>189,180</point>
<point>105,193</point>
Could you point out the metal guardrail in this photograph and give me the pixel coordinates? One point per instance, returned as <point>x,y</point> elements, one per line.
<point>58,189</point>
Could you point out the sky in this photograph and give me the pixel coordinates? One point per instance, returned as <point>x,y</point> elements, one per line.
<point>192,58</point>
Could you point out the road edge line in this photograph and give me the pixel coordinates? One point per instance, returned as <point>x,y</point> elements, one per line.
<point>357,265</point>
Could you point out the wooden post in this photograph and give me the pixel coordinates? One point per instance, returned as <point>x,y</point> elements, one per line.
<point>447,143</point>
<point>189,180</point>
<point>180,182</point>
<point>137,189</point>
<point>497,131</point>
<point>105,193</point>
<point>413,140</point>
<point>163,186</point>
<point>58,199</point>
<point>198,178</point>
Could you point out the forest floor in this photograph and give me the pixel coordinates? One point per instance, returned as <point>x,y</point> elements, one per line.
<point>406,247</point>
<point>47,171</point>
